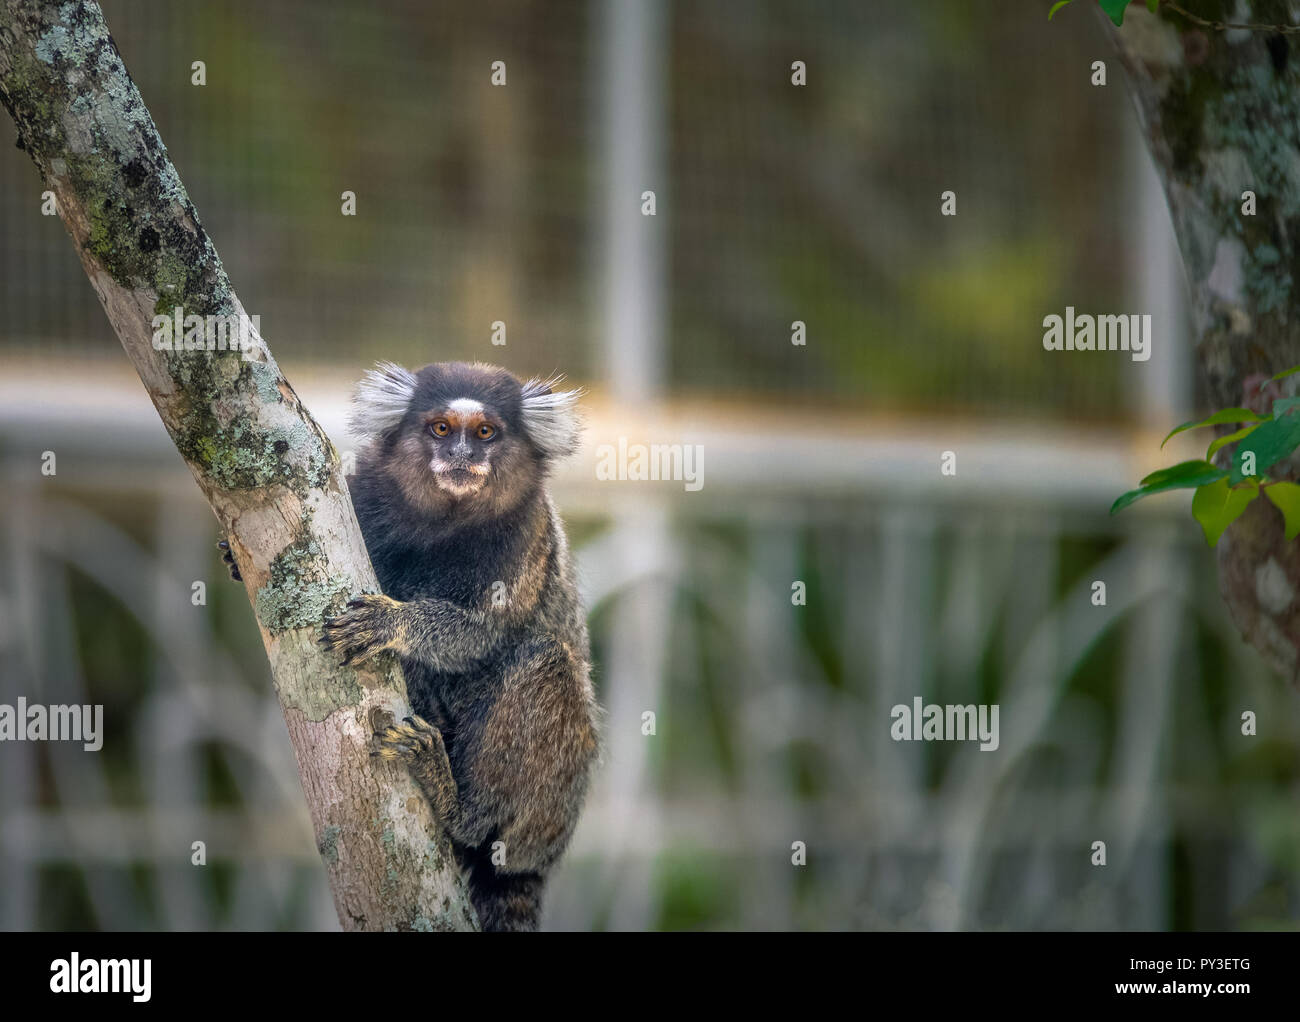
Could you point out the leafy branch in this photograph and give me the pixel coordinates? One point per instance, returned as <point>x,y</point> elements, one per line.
<point>1221,496</point>
<point>1115,11</point>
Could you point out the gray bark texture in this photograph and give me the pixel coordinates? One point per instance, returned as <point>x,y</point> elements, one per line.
<point>268,470</point>
<point>1221,114</point>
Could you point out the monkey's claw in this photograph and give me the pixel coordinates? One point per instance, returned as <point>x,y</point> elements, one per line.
<point>367,627</point>
<point>228,558</point>
<point>414,739</point>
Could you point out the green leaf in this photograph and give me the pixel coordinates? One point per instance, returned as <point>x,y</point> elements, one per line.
<point>1271,442</point>
<point>1218,505</point>
<point>1231,438</point>
<point>1115,8</point>
<point>1283,405</point>
<point>1153,6</point>
<point>1219,418</point>
<point>1286,498</point>
<point>1287,372</point>
<point>1056,7</point>
<point>1181,476</point>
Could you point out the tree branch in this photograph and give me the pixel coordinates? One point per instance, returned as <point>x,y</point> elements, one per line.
<point>268,470</point>
<point>1228,26</point>
<point>1219,114</point>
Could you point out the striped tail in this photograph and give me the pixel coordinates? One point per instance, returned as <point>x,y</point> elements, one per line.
<point>505,901</point>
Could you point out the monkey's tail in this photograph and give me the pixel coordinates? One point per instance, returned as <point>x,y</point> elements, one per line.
<point>505,901</point>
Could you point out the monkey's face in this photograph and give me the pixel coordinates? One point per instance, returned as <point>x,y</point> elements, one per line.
<point>464,438</point>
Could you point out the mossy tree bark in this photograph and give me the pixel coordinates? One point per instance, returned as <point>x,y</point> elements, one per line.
<point>268,470</point>
<point>1221,114</point>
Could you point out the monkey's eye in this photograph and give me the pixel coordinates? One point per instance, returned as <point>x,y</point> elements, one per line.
<point>439,427</point>
<point>486,432</point>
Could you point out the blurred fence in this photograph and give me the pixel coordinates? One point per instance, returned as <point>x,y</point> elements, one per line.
<point>478,204</point>
<point>1119,723</point>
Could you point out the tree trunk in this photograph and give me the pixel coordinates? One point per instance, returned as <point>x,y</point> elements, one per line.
<point>1221,114</point>
<point>268,470</point>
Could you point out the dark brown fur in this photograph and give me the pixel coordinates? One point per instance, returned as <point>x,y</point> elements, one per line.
<point>479,603</point>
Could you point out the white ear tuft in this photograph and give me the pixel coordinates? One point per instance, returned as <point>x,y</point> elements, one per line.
<point>549,416</point>
<point>382,398</point>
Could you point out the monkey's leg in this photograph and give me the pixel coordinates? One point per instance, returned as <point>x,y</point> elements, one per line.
<point>530,749</point>
<point>419,745</point>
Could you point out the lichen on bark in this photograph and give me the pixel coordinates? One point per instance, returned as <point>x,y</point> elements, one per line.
<point>1221,114</point>
<point>82,121</point>
<point>298,594</point>
<point>267,468</point>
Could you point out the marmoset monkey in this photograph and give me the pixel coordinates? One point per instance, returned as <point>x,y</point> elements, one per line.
<point>479,604</point>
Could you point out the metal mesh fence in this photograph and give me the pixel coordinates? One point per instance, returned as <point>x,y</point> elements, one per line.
<point>821,204</point>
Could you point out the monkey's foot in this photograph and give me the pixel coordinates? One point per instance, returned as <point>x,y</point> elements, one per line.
<point>370,625</point>
<point>409,742</point>
<point>418,744</point>
<point>228,558</point>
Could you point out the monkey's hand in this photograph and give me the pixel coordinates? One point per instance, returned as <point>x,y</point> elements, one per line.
<point>369,625</point>
<point>418,744</point>
<point>228,558</point>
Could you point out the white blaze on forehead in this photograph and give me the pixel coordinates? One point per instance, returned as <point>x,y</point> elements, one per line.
<point>466,406</point>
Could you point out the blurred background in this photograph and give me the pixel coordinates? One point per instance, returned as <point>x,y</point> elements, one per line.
<point>775,203</point>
